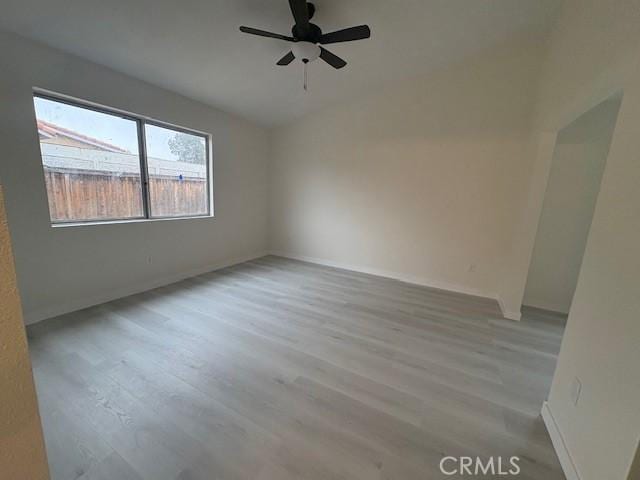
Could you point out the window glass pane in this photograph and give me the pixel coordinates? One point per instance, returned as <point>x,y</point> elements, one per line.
<point>177,164</point>
<point>91,163</point>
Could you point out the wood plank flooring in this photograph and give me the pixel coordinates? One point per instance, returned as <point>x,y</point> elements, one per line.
<point>279,370</point>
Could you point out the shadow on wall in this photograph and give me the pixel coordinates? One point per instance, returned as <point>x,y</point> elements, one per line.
<point>634,472</point>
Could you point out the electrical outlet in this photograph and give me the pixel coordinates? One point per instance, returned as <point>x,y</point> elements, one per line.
<point>576,389</point>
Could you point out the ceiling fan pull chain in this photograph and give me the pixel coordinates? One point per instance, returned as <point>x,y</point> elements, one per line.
<point>306,64</point>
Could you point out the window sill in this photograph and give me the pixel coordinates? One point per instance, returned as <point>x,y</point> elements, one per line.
<point>119,222</point>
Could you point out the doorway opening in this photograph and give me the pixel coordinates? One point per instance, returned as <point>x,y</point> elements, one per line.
<point>573,186</point>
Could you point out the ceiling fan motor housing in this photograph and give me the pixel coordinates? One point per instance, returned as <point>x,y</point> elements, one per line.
<point>310,33</point>
<point>305,51</point>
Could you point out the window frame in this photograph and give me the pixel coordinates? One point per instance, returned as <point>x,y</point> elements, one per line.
<point>141,121</point>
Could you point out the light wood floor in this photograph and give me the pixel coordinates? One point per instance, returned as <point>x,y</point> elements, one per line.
<point>281,370</point>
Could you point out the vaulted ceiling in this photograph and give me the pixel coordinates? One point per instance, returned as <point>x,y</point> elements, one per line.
<point>193,47</point>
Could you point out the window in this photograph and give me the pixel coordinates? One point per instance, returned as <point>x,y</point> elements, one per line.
<point>177,169</point>
<point>102,165</point>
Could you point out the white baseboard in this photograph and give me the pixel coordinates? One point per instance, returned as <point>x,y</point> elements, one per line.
<point>566,460</point>
<point>36,316</point>
<point>549,307</point>
<point>416,280</point>
<point>509,314</point>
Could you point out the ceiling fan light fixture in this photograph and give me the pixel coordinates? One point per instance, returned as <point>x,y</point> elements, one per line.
<point>306,51</point>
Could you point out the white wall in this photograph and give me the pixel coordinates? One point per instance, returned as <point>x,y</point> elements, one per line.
<point>417,181</point>
<point>594,52</point>
<point>61,269</point>
<point>572,190</point>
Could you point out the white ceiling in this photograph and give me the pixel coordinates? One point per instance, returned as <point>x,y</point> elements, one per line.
<point>193,47</point>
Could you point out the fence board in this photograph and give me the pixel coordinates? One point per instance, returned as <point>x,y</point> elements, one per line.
<point>84,196</point>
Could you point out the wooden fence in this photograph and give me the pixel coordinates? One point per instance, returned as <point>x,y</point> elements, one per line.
<point>86,196</point>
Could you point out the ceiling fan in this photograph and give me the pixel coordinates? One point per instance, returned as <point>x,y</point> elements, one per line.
<point>307,37</point>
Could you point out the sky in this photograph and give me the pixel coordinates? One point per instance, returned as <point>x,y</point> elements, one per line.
<point>108,128</point>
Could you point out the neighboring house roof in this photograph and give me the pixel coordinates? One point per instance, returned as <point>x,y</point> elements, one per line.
<point>52,133</point>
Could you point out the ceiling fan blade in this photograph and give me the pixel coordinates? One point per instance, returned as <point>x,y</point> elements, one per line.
<point>347,35</point>
<point>331,59</point>
<point>264,33</point>
<point>287,59</point>
<point>300,13</point>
